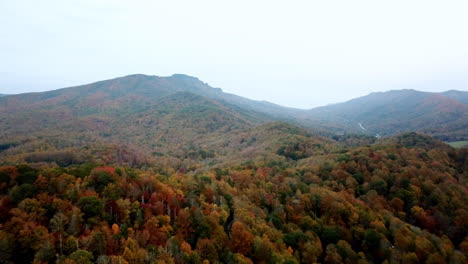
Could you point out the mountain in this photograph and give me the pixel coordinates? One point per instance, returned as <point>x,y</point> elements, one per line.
<point>146,169</point>
<point>176,117</point>
<point>459,96</point>
<point>135,90</point>
<point>443,115</point>
<point>140,119</point>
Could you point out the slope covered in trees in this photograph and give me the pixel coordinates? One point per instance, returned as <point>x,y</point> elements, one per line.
<point>459,96</point>
<point>145,169</point>
<point>400,201</point>
<point>442,115</point>
<point>154,116</point>
<point>146,116</point>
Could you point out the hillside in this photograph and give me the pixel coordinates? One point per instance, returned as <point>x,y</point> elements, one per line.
<point>176,119</point>
<point>459,96</point>
<point>393,112</point>
<point>123,93</point>
<point>401,201</point>
<point>140,119</point>
<point>146,169</point>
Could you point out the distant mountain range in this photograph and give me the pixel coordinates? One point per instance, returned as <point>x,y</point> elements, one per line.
<point>459,96</point>
<point>442,115</point>
<point>184,118</point>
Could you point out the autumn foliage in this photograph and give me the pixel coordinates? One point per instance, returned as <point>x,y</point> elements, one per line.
<point>384,203</point>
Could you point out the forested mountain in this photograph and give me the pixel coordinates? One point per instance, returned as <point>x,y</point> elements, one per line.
<point>132,110</point>
<point>162,115</point>
<point>143,118</point>
<point>125,93</point>
<point>443,115</point>
<point>146,169</point>
<point>459,96</point>
<point>174,117</point>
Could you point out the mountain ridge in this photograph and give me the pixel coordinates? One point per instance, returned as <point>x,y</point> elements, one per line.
<point>396,111</point>
<point>457,95</point>
<point>140,109</point>
<point>176,118</point>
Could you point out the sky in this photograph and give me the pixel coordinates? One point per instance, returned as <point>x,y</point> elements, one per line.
<point>295,53</point>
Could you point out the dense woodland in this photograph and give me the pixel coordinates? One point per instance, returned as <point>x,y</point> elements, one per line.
<point>147,169</point>
<point>400,200</point>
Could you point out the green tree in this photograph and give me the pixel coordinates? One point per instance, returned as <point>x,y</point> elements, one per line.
<point>91,206</point>
<point>82,257</point>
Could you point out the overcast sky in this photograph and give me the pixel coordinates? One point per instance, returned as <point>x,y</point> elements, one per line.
<point>295,53</point>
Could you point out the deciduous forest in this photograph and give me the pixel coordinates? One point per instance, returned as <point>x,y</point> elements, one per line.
<point>399,201</point>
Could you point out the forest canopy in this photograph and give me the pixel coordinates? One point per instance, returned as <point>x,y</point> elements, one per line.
<point>401,201</point>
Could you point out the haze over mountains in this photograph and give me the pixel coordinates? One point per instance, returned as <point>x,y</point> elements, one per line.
<point>371,111</point>
<point>460,96</point>
<point>442,115</point>
<point>177,116</point>
<point>181,116</point>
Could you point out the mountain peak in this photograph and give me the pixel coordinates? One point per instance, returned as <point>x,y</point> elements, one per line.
<point>395,92</point>
<point>176,76</point>
<point>183,76</point>
<point>461,96</point>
